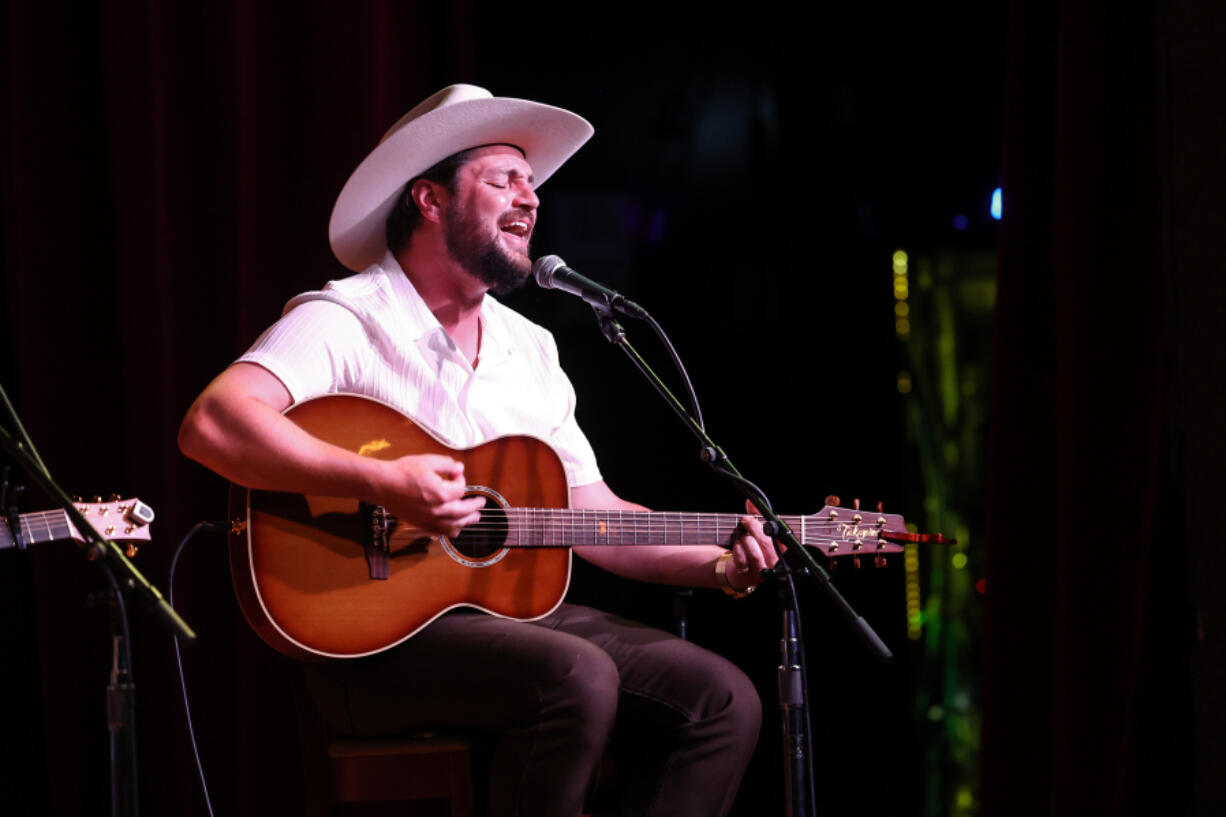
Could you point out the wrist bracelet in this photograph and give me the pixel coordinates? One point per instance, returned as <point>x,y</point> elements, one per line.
<point>721,577</point>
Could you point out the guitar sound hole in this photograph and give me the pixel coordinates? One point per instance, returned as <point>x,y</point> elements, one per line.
<point>485,537</point>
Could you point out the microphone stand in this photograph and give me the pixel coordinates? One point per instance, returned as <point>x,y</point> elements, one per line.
<point>122,576</point>
<point>120,702</point>
<point>795,561</point>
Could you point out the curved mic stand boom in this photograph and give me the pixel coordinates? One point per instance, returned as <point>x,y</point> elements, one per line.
<point>795,560</point>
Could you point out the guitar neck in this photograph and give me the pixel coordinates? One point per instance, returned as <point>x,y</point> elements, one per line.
<point>553,527</point>
<point>39,527</point>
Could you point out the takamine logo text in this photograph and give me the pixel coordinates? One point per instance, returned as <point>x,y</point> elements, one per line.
<point>848,531</point>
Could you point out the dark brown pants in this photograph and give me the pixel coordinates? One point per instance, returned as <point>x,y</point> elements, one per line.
<point>551,692</point>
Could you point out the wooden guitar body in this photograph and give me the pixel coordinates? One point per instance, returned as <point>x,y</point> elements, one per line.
<point>304,566</point>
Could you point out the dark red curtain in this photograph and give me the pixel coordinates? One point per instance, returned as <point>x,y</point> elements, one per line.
<point>1088,685</point>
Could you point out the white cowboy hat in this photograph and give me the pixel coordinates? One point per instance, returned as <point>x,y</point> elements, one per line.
<point>454,119</point>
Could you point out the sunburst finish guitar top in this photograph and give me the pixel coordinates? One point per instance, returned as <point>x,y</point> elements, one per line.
<point>303,565</point>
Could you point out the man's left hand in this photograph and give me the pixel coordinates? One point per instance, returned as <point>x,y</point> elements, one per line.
<point>752,552</point>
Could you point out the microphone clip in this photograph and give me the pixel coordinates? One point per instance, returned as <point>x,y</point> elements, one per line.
<point>612,330</point>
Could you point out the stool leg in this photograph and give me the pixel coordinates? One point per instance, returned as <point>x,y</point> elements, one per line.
<point>461,788</point>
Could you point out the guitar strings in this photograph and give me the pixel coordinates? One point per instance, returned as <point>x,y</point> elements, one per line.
<point>653,519</point>
<point>49,522</point>
<point>540,524</point>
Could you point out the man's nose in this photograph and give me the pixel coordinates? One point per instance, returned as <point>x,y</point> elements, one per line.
<point>525,196</point>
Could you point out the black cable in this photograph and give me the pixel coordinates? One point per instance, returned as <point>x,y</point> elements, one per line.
<point>713,455</point>
<point>212,527</point>
<point>760,501</point>
<point>685,377</point>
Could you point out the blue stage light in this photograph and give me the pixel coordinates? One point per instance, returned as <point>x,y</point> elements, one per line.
<point>998,205</point>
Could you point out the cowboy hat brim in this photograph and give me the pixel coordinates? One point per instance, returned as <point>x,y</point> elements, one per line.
<point>457,118</point>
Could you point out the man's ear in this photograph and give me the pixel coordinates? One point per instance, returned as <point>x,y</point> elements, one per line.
<point>429,197</point>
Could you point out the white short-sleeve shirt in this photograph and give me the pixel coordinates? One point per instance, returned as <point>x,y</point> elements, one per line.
<point>372,334</point>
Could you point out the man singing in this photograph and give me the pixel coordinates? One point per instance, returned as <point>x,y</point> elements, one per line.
<point>439,215</point>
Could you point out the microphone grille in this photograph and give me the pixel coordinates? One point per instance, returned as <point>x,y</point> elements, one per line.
<point>544,268</point>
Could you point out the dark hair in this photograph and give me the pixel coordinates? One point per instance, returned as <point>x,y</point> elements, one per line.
<point>405,216</point>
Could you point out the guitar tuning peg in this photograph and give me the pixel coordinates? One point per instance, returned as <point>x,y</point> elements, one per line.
<point>97,499</point>
<point>855,504</point>
<point>114,498</point>
<point>834,564</point>
<point>879,561</point>
<point>130,551</point>
<point>855,560</point>
<point>77,498</point>
<point>833,500</point>
<point>880,506</point>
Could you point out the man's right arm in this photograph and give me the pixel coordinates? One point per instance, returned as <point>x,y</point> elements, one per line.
<point>237,428</point>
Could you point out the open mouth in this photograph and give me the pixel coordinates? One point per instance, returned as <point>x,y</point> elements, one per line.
<point>519,228</point>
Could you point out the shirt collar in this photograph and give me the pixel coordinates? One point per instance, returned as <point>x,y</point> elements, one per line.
<point>421,323</point>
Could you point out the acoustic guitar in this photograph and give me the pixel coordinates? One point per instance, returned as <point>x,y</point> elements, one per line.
<point>332,577</point>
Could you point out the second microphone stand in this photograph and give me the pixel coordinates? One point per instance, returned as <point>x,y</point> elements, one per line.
<point>123,579</point>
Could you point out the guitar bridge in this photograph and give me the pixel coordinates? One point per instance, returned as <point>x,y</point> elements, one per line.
<point>377,549</point>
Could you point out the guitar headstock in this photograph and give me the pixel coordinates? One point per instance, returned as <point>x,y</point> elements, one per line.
<point>121,520</point>
<point>838,531</point>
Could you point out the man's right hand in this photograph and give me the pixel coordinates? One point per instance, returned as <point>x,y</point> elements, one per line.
<point>427,490</point>
<point>237,427</point>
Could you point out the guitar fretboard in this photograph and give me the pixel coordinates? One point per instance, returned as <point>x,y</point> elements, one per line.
<point>552,527</point>
<point>43,526</point>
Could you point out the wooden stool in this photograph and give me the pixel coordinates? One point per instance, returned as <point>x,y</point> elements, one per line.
<point>345,776</point>
<point>364,770</point>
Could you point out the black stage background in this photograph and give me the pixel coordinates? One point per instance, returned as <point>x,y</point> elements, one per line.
<point>167,179</point>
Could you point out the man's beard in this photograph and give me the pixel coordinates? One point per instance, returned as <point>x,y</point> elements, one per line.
<point>479,253</point>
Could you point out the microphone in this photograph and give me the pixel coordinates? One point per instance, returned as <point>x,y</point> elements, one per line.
<point>551,272</point>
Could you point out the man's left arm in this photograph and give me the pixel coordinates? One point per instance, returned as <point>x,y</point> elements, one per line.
<point>682,565</point>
